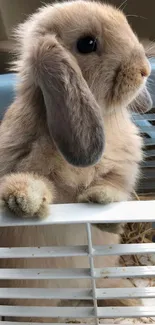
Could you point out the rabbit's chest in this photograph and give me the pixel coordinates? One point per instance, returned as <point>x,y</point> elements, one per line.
<point>122,149</point>
<point>70,181</point>
<point>72,177</point>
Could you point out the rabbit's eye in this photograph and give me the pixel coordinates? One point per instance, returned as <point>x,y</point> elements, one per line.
<point>87,44</point>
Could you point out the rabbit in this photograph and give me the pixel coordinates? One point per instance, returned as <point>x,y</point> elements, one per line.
<point>68,137</point>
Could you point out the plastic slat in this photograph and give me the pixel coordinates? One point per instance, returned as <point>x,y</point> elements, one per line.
<point>78,273</point>
<point>147,129</point>
<point>77,312</point>
<point>42,293</point>
<point>53,312</point>
<point>148,173</point>
<point>76,294</point>
<point>125,293</point>
<point>126,272</point>
<point>124,249</point>
<point>148,185</point>
<point>148,164</point>
<point>144,117</point>
<point>40,252</point>
<point>126,312</point>
<point>44,274</point>
<point>133,211</point>
<point>150,153</point>
<point>50,252</point>
<point>32,323</point>
<point>149,142</point>
<point>27,323</point>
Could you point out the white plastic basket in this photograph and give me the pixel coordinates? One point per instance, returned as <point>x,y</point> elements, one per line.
<point>143,211</point>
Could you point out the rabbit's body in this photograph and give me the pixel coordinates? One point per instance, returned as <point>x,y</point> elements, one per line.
<point>118,168</point>
<point>52,136</point>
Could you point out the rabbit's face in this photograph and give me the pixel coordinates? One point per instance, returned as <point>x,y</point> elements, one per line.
<point>86,61</point>
<point>111,59</point>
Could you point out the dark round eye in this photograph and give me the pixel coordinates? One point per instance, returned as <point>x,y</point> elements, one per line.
<point>87,44</point>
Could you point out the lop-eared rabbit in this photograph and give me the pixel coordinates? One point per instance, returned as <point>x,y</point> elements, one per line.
<point>68,137</point>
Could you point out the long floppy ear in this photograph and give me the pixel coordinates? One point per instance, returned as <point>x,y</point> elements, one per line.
<point>73,115</point>
<point>142,103</point>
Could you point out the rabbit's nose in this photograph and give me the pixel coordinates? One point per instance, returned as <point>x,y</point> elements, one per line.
<point>145,69</point>
<point>145,72</point>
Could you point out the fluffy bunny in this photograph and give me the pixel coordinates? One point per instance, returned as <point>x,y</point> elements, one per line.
<point>81,72</point>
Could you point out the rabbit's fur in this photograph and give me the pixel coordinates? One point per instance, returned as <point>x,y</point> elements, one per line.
<point>92,94</point>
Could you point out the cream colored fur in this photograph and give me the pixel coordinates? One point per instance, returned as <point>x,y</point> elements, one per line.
<point>33,171</point>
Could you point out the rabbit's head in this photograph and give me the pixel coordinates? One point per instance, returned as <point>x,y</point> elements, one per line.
<point>88,62</point>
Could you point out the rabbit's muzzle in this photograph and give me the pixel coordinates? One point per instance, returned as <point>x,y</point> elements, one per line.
<point>129,77</point>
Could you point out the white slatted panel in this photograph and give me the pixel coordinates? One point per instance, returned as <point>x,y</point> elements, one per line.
<point>87,214</point>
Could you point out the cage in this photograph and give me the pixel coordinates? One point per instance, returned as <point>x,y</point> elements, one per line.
<point>80,214</point>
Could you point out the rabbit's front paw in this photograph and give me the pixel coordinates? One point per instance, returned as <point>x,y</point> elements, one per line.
<point>102,194</point>
<point>25,195</point>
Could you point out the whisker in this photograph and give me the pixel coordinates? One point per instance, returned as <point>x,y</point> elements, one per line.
<point>117,121</point>
<point>136,16</point>
<point>123,5</point>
